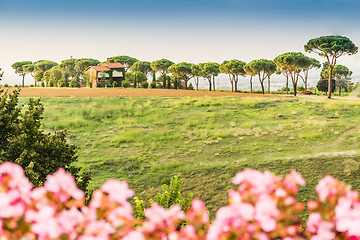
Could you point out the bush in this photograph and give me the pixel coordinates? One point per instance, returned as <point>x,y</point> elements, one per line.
<point>125,84</point>
<point>145,84</point>
<point>153,84</point>
<point>190,87</point>
<point>300,88</point>
<point>306,92</point>
<point>74,83</point>
<point>169,196</point>
<point>22,141</point>
<point>6,85</point>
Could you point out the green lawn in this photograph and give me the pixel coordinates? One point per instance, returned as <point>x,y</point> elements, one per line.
<point>205,141</point>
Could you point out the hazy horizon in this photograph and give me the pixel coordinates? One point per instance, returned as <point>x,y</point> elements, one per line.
<point>190,31</point>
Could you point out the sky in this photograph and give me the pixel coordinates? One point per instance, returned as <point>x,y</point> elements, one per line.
<point>190,31</point>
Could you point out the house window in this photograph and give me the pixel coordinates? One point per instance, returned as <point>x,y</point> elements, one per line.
<point>117,73</point>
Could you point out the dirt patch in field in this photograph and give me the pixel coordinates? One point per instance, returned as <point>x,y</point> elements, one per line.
<point>129,92</point>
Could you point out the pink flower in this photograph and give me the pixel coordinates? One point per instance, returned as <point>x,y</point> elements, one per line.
<point>160,218</point>
<point>312,205</point>
<point>313,222</point>
<point>44,223</point>
<point>10,206</point>
<point>325,187</point>
<point>259,182</point>
<point>63,185</point>
<point>118,191</point>
<point>198,212</point>
<point>69,219</point>
<point>265,213</point>
<point>134,235</point>
<point>292,180</point>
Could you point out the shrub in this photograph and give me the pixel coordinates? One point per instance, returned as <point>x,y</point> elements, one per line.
<point>74,83</point>
<point>169,196</point>
<point>6,85</point>
<point>22,141</point>
<point>190,87</point>
<point>306,92</point>
<point>125,84</point>
<point>153,84</point>
<point>145,84</point>
<point>300,88</point>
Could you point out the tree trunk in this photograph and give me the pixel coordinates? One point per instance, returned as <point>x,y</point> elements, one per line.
<point>214,83</point>
<point>23,80</point>
<point>232,85</point>
<point>164,81</point>
<point>251,84</point>
<point>262,87</point>
<point>197,83</point>
<point>295,85</point>
<point>185,84</point>
<point>287,83</point>
<point>306,78</point>
<point>329,85</point>
<point>209,84</point>
<point>236,81</point>
<point>339,88</point>
<point>269,84</point>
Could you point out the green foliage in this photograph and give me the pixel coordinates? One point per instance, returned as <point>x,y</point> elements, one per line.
<point>196,74</point>
<point>263,68</point>
<point>163,79</point>
<point>126,84</point>
<point>1,74</point>
<point>209,71</point>
<point>145,84</point>
<point>153,84</point>
<point>74,82</point>
<point>141,66</point>
<point>322,85</point>
<point>22,141</point>
<point>19,69</point>
<point>331,47</point>
<point>182,70</point>
<point>292,64</point>
<point>234,68</point>
<point>136,78</point>
<point>170,195</point>
<point>300,88</point>
<point>68,65</point>
<point>190,87</point>
<point>161,66</point>
<point>124,60</point>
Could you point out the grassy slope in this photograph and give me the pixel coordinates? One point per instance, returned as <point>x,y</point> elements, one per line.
<point>205,141</point>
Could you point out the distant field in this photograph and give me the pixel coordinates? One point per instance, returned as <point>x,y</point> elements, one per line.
<point>206,140</point>
<point>127,92</point>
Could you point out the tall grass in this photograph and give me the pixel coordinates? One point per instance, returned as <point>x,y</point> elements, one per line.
<point>205,141</point>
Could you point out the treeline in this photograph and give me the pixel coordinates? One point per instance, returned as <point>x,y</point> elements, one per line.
<point>295,67</point>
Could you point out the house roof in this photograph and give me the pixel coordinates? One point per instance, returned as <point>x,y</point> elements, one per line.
<point>100,68</point>
<point>114,65</point>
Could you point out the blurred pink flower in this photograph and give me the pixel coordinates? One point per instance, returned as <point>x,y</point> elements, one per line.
<point>63,185</point>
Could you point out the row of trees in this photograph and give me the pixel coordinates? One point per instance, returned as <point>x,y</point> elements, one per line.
<point>69,72</point>
<point>293,65</point>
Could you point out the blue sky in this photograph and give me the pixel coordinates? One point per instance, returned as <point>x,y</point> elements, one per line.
<point>192,31</point>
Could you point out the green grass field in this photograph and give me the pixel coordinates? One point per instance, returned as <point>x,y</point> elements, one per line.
<point>205,141</point>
